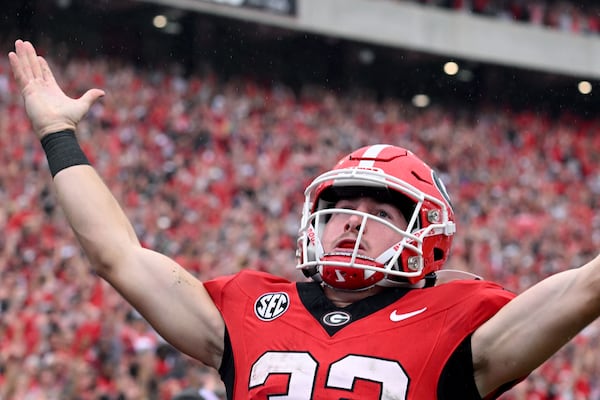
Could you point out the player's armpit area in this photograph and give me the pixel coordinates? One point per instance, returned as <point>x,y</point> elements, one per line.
<point>457,380</point>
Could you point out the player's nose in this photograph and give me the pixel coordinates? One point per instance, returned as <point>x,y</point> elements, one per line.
<point>354,223</point>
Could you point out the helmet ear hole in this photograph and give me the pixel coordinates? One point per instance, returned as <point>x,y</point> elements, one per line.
<point>438,254</point>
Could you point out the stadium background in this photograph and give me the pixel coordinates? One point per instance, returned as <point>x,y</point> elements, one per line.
<point>218,113</point>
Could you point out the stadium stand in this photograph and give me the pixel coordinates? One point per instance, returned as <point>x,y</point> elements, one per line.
<point>210,158</point>
<point>579,17</point>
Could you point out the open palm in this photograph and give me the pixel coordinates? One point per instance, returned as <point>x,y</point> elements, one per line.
<point>48,107</point>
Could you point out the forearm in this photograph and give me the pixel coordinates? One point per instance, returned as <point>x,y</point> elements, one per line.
<point>95,216</point>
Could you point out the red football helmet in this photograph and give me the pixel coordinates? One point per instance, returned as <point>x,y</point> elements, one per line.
<point>390,174</point>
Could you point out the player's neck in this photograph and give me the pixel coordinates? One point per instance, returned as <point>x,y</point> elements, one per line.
<point>342,298</point>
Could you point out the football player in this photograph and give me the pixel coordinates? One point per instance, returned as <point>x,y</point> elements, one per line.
<point>378,318</point>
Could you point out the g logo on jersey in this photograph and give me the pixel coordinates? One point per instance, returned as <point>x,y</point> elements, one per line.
<point>336,318</point>
<point>271,305</point>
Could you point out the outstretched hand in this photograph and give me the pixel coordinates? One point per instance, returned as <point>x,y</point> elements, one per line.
<point>47,106</point>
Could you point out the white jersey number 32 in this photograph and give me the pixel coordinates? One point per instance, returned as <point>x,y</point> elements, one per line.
<point>301,368</point>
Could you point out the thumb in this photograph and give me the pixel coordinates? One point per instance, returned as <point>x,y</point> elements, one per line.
<point>91,96</point>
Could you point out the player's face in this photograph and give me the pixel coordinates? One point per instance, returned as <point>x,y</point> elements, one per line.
<point>341,230</point>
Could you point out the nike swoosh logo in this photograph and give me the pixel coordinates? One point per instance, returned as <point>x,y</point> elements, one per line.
<point>395,317</point>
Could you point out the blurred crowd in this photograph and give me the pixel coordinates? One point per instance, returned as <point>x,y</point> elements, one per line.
<point>212,172</point>
<point>569,16</point>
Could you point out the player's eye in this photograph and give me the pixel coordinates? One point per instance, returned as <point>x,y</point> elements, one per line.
<point>381,213</point>
<point>346,205</point>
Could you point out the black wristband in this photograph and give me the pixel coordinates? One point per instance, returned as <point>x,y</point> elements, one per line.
<point>63,151</point>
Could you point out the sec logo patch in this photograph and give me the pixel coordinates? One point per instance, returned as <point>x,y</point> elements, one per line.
<point>271,305</point>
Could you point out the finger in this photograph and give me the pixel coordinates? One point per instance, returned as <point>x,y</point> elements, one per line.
<point>15,66</point>
<point>24,68</point>
<point>91,96</point>
<point>32,57</point>
<point>47,74</point>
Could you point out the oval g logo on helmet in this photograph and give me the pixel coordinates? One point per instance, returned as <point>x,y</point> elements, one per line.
<point>336,318</point>
<point>271,305</point>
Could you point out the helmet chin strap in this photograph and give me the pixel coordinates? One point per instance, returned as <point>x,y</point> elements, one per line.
<point>386,282</point>
<point>391,255</point>
<point>390,258</point>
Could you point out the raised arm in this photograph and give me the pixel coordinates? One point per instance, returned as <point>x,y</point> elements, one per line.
<point>170,298</point>
<point>534,325</point>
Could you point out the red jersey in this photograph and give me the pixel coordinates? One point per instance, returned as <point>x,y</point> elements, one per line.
<point>286,340</point>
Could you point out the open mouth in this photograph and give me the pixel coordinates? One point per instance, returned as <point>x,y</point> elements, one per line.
<point>347,244</point>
